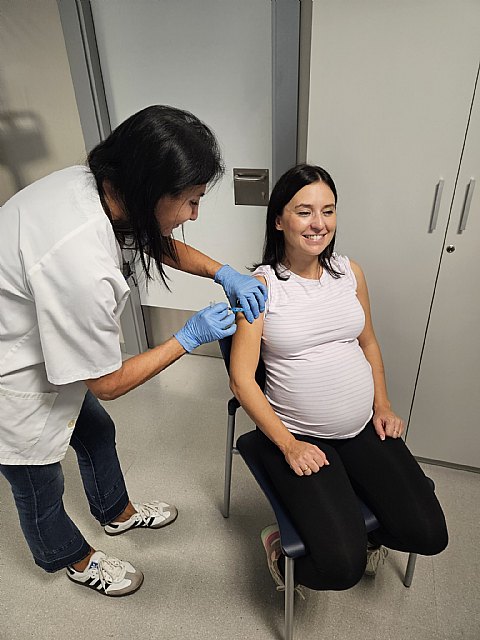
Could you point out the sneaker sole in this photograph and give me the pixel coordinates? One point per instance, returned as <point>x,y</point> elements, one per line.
<point>109,595</point>
<point>171,518</point>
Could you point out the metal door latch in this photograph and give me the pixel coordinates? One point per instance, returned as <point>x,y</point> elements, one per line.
<point>251,186</point>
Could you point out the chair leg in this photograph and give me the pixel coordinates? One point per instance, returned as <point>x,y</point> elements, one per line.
<point>289,593</point>
<point>228,465</point>
<point>412,558</point>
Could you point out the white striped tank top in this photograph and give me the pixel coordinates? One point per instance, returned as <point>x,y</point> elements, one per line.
<point>318,380</point>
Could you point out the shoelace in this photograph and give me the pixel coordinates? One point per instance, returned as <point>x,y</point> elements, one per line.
<point>281,587</point>
<point>377,556</point>
<point>150,509</point>
<point>298,588</point>
<point>110,570</point>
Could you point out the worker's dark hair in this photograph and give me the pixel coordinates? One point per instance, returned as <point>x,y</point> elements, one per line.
<point>286,187</point>
<point>159,151</point>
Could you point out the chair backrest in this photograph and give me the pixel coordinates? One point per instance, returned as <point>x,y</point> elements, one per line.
<point>225,348</point>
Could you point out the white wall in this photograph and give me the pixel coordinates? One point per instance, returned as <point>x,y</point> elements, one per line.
<point>39,124</point>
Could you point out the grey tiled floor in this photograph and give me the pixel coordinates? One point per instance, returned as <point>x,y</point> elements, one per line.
<point>206,577</point>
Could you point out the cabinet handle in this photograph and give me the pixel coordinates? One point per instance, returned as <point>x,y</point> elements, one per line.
<point>466,205</point>
<point>436,205</point>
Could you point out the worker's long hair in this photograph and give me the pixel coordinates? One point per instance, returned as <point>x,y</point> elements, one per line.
<point>159,151</point>
<point>286,187</point>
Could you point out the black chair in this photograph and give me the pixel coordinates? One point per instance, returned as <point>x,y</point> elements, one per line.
<point>291,542</point>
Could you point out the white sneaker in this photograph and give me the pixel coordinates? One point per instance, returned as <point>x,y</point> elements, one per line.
<point>375,556</point>
<point>109,576</point>
<point>150,515</point>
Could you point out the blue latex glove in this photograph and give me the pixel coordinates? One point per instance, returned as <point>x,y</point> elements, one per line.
<point>242,291</point>
<point>207,325</point>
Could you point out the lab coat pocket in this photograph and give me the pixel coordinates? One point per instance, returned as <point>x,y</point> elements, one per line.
<point>23,416</point>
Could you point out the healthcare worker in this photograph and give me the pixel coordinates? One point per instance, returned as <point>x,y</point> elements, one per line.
<point>61,295</point>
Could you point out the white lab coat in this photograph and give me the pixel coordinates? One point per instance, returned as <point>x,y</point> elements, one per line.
<point>61,295</point>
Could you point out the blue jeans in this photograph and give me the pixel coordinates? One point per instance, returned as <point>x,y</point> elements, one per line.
<point>53,538</point>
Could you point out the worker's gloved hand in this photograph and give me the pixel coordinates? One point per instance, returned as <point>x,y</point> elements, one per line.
<point>212,323</point>
<point>242,291</point>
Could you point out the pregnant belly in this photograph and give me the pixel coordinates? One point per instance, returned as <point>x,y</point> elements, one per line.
<point>329,397</point>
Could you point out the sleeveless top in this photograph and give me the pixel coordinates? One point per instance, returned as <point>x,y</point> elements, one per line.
<point>318,380</point>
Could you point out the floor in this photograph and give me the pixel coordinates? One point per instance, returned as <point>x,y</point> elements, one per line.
<point>206,577</point>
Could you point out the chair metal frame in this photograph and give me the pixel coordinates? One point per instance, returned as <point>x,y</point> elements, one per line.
<point>291,542</point>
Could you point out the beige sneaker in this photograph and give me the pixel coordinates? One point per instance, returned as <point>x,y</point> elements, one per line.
<point>375,556</point>
<point>271,542</point>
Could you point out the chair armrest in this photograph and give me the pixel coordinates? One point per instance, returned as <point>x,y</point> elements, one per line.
<point>233,405</point>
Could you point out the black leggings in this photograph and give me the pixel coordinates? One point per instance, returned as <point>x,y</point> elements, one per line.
<point>326,513</point>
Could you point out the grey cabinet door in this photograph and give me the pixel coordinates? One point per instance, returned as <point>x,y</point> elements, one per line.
<point>445,420</point>
<point>390,93</point>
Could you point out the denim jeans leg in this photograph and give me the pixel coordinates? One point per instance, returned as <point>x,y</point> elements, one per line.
<point>93,440</point>
<point>53,538</point>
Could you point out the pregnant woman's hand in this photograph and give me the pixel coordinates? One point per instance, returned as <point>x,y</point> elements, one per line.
<point>387,424</point>
<point>304,458</point>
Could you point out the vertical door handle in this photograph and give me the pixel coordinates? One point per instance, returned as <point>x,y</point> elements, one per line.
<point>466,205</point>
<point>436,205</point>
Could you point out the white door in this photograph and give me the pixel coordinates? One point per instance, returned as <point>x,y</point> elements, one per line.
<point>214,59</point>
<point>390,92</point>
<point>445,421</point>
